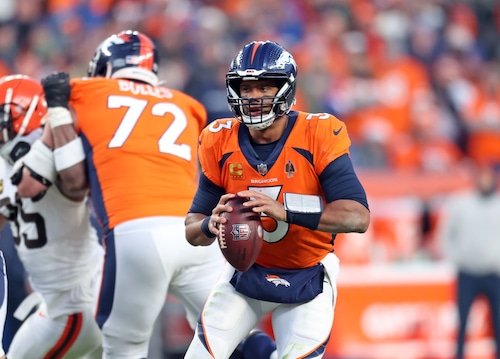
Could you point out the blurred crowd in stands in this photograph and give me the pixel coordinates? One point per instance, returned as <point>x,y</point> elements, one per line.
<point>418,82</point>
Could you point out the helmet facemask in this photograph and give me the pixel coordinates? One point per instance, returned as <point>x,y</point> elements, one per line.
<point>268,107</point>
<point>6,118</point>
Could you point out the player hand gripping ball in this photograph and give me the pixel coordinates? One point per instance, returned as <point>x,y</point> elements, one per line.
<point>240,238</point>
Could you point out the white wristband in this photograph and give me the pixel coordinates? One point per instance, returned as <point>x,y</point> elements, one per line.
<point>59,116</point>
<point>69,155</point>
<point>41,161</point>
<point>303,203</point>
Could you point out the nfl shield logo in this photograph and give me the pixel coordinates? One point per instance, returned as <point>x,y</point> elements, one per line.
<point>262,169</point>
<point>240,232</point>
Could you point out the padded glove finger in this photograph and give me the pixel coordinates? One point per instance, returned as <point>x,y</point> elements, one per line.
<point>57,89</point>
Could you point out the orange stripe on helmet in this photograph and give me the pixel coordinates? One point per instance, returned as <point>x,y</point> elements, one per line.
<point>254,50</point>
<point>146,52</point>
<point>125,36</point>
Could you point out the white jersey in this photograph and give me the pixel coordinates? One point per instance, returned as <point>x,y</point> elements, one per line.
<point>56,243</point>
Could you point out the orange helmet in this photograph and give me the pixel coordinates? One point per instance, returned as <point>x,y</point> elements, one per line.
<point>22,109</point>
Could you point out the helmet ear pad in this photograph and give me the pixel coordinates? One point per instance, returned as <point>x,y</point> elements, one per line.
<point>286,94</point>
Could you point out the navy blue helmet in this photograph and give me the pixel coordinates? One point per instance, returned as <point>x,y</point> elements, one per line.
<point>128,55</point>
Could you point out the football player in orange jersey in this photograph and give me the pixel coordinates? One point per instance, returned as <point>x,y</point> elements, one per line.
<point>135,145</point>
<point>296,171</point>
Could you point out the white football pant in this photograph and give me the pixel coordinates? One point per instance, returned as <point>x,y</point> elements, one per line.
<point>299,329</point>
<point>145,259</point>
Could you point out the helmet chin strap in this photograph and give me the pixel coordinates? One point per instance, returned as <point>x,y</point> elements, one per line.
<point>260,126</point>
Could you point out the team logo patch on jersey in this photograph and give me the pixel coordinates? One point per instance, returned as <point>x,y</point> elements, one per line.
<point>289,169</point>
<point>277,280</point>
<point>236,170</point>
<point>240,232</point>
<point>262,169</point>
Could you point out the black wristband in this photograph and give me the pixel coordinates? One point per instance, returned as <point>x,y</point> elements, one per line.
<point>307,220</point>
<point>16,177</point>
<point>204,228</point>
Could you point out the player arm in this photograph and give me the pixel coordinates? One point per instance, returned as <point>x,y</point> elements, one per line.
<point>69,155</point>
<point>204,214</point>
<point>34,173</point>
<point>346,208</point>
<point>69,159</point>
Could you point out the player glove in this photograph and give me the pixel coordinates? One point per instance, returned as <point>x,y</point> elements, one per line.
<point>57,89</point>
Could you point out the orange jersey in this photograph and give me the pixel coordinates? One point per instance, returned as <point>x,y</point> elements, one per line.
<point>141,144</point>
<point>310,143</point>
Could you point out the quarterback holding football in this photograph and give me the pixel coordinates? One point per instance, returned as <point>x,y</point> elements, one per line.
<point>295,171</point>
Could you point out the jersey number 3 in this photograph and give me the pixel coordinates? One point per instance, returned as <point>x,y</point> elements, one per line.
<point>167,141</point>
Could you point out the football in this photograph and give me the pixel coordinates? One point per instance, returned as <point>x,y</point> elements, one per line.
<point>240,238</point>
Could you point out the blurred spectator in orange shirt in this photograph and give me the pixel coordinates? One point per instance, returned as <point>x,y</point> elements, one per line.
<point>429,146</point>
<point>482,117</point>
